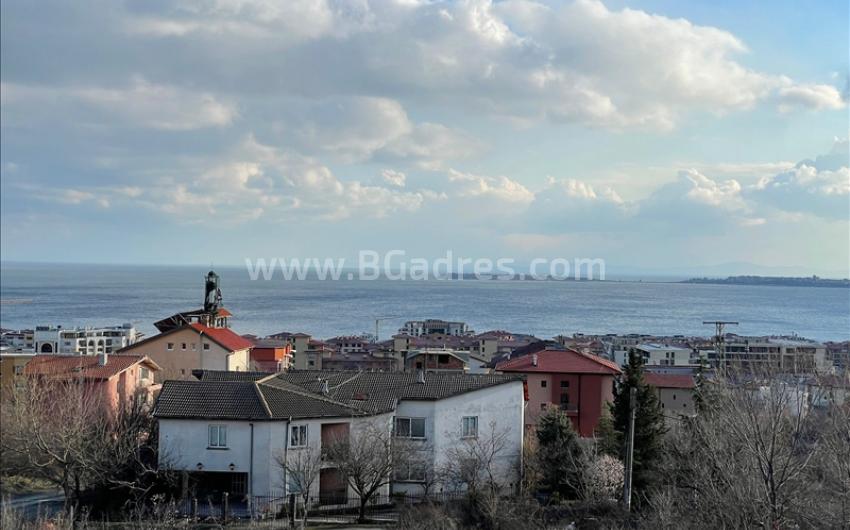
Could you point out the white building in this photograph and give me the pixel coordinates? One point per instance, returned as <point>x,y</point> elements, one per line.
<point>659,355</point>
<point>83,341</point>
<point>782,354</point>
<point>228,430</point>
<point>418,328</point>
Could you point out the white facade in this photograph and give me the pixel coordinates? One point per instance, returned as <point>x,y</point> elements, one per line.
<point>83,341</point>
<point>185,444</point>
<point>661,355</point>
<point>418,328</point>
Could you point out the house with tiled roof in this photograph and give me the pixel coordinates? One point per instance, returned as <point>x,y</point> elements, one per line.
<point>578,383</point>
<point>228,430</point>
<point>115,380</point>
<point>194,346</point>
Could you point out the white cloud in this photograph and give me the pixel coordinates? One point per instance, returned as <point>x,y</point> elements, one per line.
<point>500,188</point>
<point>393,177</point>
<point>139,103</point>
<point>809,96</point>
<point>526,61</point>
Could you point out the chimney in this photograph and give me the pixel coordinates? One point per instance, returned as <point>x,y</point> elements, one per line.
<point>420,377</point>
<point>533,359</point>
<point>325,388</point>
<point>102,359</point>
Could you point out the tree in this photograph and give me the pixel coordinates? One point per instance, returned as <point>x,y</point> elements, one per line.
<point>367,459</point>
<point>60,431</point>
<point>649,424</point>
<point>300,469</point>
<point>761,456</point>
<point>560,454</point>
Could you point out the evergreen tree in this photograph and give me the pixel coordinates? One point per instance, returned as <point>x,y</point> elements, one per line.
<point>649,424</point>
<point>559,453</point>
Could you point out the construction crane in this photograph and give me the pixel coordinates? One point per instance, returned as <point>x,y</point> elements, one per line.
<point>719,352</point>
<point>378,324</point>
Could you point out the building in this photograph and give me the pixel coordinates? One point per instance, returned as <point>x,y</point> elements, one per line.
<point>580,384</point>
<point>436,360</point>
<point>227,430</point>
<point>270,355</point>
<point>657,354</point>
<point>18,340</point>
<point>194,347</point>
<point>777,354</point>
<point>12,370</point>
<point>675,393</point>
<point>71,341</point>
<point>115,380</point>
<point>432,326</point>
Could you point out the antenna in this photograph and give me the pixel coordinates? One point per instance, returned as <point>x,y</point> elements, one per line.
<point>719,350</point>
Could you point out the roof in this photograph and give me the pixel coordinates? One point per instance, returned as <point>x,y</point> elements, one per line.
<point>652,346</point>
<point>560,361</point>
<point>669,380</point>
<point>461,356</point>
<point>84,366</point>
<point>298,393</point>
<point>221,375</point>
<point>224,337</point>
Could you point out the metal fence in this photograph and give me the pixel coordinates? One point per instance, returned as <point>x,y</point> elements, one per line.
<point>280,511</point>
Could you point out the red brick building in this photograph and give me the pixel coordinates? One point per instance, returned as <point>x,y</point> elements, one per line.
<point>579,383</point>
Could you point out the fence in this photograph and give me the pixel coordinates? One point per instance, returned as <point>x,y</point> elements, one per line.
<point>280,511</point>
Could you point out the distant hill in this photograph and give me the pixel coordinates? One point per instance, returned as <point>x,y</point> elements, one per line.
<point>807,281</point>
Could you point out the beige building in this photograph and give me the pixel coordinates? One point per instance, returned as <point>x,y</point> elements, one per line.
<point>194,347</point>
<point>12,369</point>
<point>675,393</point>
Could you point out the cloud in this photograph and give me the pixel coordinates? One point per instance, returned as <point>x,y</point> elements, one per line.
<point>139,103</point>
<point>814,97</point>
<point>393,178</point>
<point>577,62</point>
<point>499,188</point>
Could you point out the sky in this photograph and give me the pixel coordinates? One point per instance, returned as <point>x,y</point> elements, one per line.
<point>660,136</point>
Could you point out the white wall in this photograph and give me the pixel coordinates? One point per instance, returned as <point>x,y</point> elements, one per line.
<point>501,405</point>
<point>184,443</point>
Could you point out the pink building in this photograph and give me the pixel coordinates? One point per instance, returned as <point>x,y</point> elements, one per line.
<point>580,384</point>
<point>116,380</point>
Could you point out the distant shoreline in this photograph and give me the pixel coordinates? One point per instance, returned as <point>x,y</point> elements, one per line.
<point>809,281</point>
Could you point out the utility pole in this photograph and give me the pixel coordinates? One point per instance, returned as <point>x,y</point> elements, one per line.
<point>630,450</point>
<point>719,350</point>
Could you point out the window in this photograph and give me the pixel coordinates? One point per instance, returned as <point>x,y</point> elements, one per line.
<point>183,346</point>
<point>565,384</point>
<point>410,427</point>
<point>443,359</point>
<point>19,370</point>
<point>298,437</point>
<point>469,427</point>
<point>543,406</point>
<point>565,401</point>
<point>144,373</point>
<point>543,383</point>
<point>169,346</point>
<point>409,472</point>
<point>206,346</point>
<point>218,436</point>
<point>194,346</point>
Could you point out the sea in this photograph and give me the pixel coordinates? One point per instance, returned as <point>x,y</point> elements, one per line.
<point>97,295</point>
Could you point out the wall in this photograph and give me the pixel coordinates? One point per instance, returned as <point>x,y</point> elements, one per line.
<point>502,406</point>
<point>179,363</point>
<point>676,401</point>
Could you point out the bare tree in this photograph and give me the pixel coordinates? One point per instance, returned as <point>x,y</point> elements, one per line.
<point>63,432</point>
<point>300,469</point>
<point>473,463</point>
<point>749,458</point>
<point>368,457</point>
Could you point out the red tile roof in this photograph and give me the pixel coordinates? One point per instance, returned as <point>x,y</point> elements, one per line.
<point>224,337</point>
<point>85,366</point>
<point>669,380</point>
<point>560,361</point>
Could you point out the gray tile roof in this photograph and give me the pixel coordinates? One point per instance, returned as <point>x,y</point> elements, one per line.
<point>299,394</point>
<point>221,375</point>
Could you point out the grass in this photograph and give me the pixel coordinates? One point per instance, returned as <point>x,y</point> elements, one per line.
<point>20,484</point>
